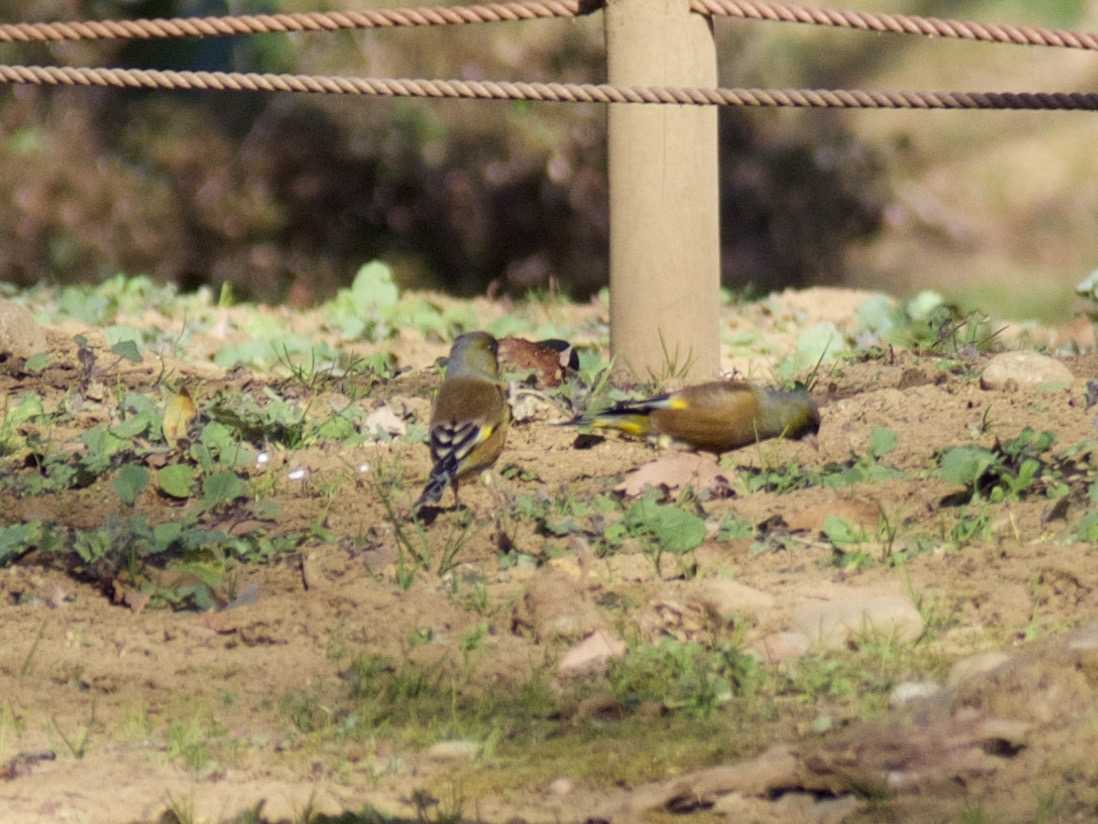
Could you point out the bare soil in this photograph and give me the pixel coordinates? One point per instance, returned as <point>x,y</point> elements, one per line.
<point>143,710</point>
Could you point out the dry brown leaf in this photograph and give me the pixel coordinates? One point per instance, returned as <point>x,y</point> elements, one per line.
<point>137,601</point>
<point>178,414</point>
<point>547,362</point>
<point>675,471</point>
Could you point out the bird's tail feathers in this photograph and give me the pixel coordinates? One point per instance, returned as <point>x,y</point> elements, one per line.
<point>633,420</point>
<point>443,473</point>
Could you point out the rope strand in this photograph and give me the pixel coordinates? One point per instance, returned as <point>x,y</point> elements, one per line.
<point>546,92</point>
<point>759,10</point>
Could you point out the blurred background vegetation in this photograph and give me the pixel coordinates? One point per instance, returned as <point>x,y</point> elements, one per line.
<point>286,196</point>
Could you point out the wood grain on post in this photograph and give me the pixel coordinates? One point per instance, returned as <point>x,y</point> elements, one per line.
<point>664,194</point>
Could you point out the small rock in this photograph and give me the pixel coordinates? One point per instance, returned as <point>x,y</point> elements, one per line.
<point>834,810</point>
<point>862,512</point>
<point>384,422</point>
<point>561,787</point>
<point>1085,640</point>
<point>453,751</point>
<point>781,646</point>
<point>1025,369</point>
<point>591,655</point>
<point>554,607</point>
<point>831,625</point>
<point>726,599</point>
<point>909,691</point>
<point>794,806</point>
<point>975,665</point>
<point>20,336</point>
<point>629,566</point>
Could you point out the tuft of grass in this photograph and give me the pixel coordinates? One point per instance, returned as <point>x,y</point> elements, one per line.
<point>683,676</point>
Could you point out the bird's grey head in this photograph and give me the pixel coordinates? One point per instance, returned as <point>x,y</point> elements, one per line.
<point>474,353</point>
<point>800,417</point>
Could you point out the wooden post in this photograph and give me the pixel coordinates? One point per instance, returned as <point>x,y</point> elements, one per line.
<point>664,194</point>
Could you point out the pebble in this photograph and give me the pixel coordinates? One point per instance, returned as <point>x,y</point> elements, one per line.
<point>726,599</point>
<point>832,624</point>
<point>975,665</point>
<point>781,646</point>
<point>20,336</point>
<point>1085,639</point>
<point>561,787</point>
<point>1012,370</point>
<point>554,608</point>
<point>591,655</point>
<point>458,750</point>
<point>908,691</point>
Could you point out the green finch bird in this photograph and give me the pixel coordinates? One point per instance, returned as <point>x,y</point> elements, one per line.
<point>714,417</point>
<point>469,419</point>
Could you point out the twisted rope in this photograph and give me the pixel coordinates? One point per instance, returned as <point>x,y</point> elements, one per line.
<point>547,92</point>
<point>898,24</point>
<point>299,22</point>
<point>536,10</point>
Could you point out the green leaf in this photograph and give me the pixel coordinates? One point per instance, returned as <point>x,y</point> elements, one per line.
<point>820,343</point>
<point>28,407</point>
<point>130,482</point>
<point>127,349</point>
<point>1087,528</point>
<point>418,314</point>
<point>101,446</point>
<point>965,465</point>
<point>674,529</point>
<point>222,488</point>
<point>881,442</point>
<point>176,480</point>
<point>166,534</point>
<point>733,527</point>
<point>878,314</point>
<point>142,417</point>
<point>91,545</point>
<point>924,304</point>
<point>218,442</point>
<point>37,363</point>
<point>373,287</point>
<point>841,532</point>
<point>18,539</point>
<point>337,428</point>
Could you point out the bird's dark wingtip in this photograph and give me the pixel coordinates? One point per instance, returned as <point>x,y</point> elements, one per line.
<point>579,420</point>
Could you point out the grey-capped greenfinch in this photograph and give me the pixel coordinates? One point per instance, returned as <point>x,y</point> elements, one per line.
<point>469,418</point>
<point>714,417</point>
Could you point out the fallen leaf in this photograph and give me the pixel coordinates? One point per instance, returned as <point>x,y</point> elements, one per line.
<point>675,471</point>
<point>137,601</point>
<point>548,359</point>
<point>383,421</point>
<point>178,414</point>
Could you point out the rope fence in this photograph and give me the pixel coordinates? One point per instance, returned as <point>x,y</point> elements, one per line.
<point>647,41</point>
<point>544,92</point>
<point>517,10</point>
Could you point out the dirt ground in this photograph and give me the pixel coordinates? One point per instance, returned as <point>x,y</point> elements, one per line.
<point>116,708</point>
